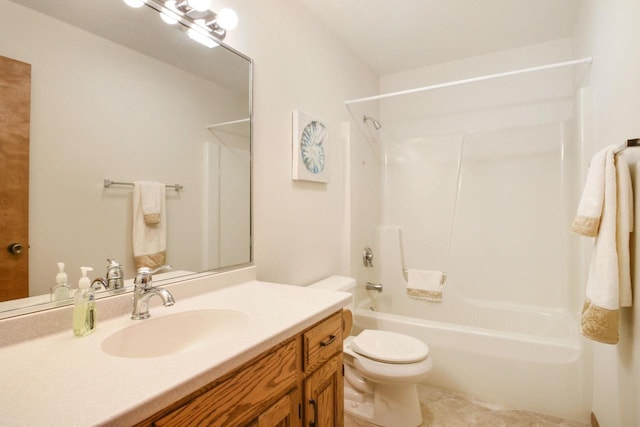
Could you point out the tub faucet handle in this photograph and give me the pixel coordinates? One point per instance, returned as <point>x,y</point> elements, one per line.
<point>367,257</point>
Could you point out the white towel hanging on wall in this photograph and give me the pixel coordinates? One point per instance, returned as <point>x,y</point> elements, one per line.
<point>605,212</point>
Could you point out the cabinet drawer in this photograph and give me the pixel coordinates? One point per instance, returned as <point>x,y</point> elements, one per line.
<point>322,341</point>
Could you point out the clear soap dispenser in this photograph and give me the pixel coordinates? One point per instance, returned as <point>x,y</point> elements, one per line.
<point>84,306</point>
<point>61,290</point>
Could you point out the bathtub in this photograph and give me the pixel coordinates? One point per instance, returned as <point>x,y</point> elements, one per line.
<point>531,371</point>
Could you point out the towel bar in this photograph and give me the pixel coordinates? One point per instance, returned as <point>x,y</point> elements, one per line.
<point>405,273</point>
<point>635,142</point>
<point>108,183</point>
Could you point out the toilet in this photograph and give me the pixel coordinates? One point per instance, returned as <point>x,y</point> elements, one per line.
<point>381,370</point>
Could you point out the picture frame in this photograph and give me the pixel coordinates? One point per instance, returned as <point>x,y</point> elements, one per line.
<point>309,154</point>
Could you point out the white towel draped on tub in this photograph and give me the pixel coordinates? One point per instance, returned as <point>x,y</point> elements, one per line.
<point>149,236</point>
<point>425,285</point>
<point>605,212</point>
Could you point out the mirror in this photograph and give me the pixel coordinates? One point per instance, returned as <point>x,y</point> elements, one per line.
<point>116,94</point>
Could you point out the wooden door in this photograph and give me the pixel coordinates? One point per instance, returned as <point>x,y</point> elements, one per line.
<point>15,106</point>
<point>324,395</point>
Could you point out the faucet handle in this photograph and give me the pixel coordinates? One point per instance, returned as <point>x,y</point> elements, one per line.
<point>143,278</point>
<point>161,268</point>
<point>144,275</point>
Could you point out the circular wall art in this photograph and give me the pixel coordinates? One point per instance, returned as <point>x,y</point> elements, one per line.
<point>312,148</point>
<point>309,148</point>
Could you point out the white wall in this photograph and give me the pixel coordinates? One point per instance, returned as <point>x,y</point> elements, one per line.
<point>88,124</point>
<point>609,32</point>
<point>299,226</point>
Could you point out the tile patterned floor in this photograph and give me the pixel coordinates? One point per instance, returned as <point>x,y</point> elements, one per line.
<point>445,409</point>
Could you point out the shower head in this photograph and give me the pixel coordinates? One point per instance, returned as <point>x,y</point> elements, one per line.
<point>376,124</point>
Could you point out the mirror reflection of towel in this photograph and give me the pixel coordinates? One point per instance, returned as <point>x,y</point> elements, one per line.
<point>149,238</point>
<point>151,194</point>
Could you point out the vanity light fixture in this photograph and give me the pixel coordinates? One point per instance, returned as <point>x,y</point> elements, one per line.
<point>201,23</point>
<point>196,35</point>
<point>199,5</point>
<point>228,18</point>
<point>134,3</point>
<point>170,14</point>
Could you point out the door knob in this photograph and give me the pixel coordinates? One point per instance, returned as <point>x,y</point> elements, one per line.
<point>15,248</point>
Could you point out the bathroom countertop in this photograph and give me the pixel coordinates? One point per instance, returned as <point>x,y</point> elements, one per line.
<point>60,379</point>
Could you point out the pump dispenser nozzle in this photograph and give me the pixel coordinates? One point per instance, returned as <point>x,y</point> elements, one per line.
<point>84,281</point>
<point>61,290</point>
<point>61,277</point>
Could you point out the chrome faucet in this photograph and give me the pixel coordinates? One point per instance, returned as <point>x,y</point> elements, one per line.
<point>114,278</point>
<point>144,291</point>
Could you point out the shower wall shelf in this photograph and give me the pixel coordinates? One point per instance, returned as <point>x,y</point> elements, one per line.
<point>587,60</point>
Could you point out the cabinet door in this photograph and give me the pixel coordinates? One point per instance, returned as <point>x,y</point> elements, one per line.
<point>284,413</point>
<point>243,395</point>
<point>324,395</point>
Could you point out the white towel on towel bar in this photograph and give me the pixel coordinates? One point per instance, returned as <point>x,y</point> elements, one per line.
<point>149,239</point>
<point>425,285</point>
<point>587,219</point>
<point>609,282</point>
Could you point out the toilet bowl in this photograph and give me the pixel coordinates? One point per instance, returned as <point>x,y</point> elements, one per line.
<point>381,371</point>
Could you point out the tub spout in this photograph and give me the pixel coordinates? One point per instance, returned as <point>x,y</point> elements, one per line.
<point>374,286</point>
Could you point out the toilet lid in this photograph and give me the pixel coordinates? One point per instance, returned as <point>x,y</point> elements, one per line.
<point>389,347</point>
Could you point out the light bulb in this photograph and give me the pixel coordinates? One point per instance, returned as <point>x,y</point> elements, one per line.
<point>134,3</point>
<point>168,18</point>
<point>171,5</point>
<point>199,5</point>
<point>227,19</point>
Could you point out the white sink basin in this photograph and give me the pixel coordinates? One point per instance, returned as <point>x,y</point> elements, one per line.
<point>174,333</point>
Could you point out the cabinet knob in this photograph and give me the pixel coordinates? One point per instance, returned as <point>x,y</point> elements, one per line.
<point>15,248</point>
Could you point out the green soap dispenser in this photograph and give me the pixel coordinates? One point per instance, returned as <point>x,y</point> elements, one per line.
<point>61,290</point>
<point>84,306</point>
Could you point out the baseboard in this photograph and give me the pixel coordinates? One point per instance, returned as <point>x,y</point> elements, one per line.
<point>594,420</point>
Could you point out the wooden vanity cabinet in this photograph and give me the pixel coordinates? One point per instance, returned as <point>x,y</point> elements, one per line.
<point>284,413</point>
<point>322,373</point>
<point>296,383</point>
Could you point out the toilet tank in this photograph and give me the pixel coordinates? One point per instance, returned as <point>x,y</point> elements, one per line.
<point>337,283</point>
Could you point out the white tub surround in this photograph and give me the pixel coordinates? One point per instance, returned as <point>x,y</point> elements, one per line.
<point>58,379</point>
